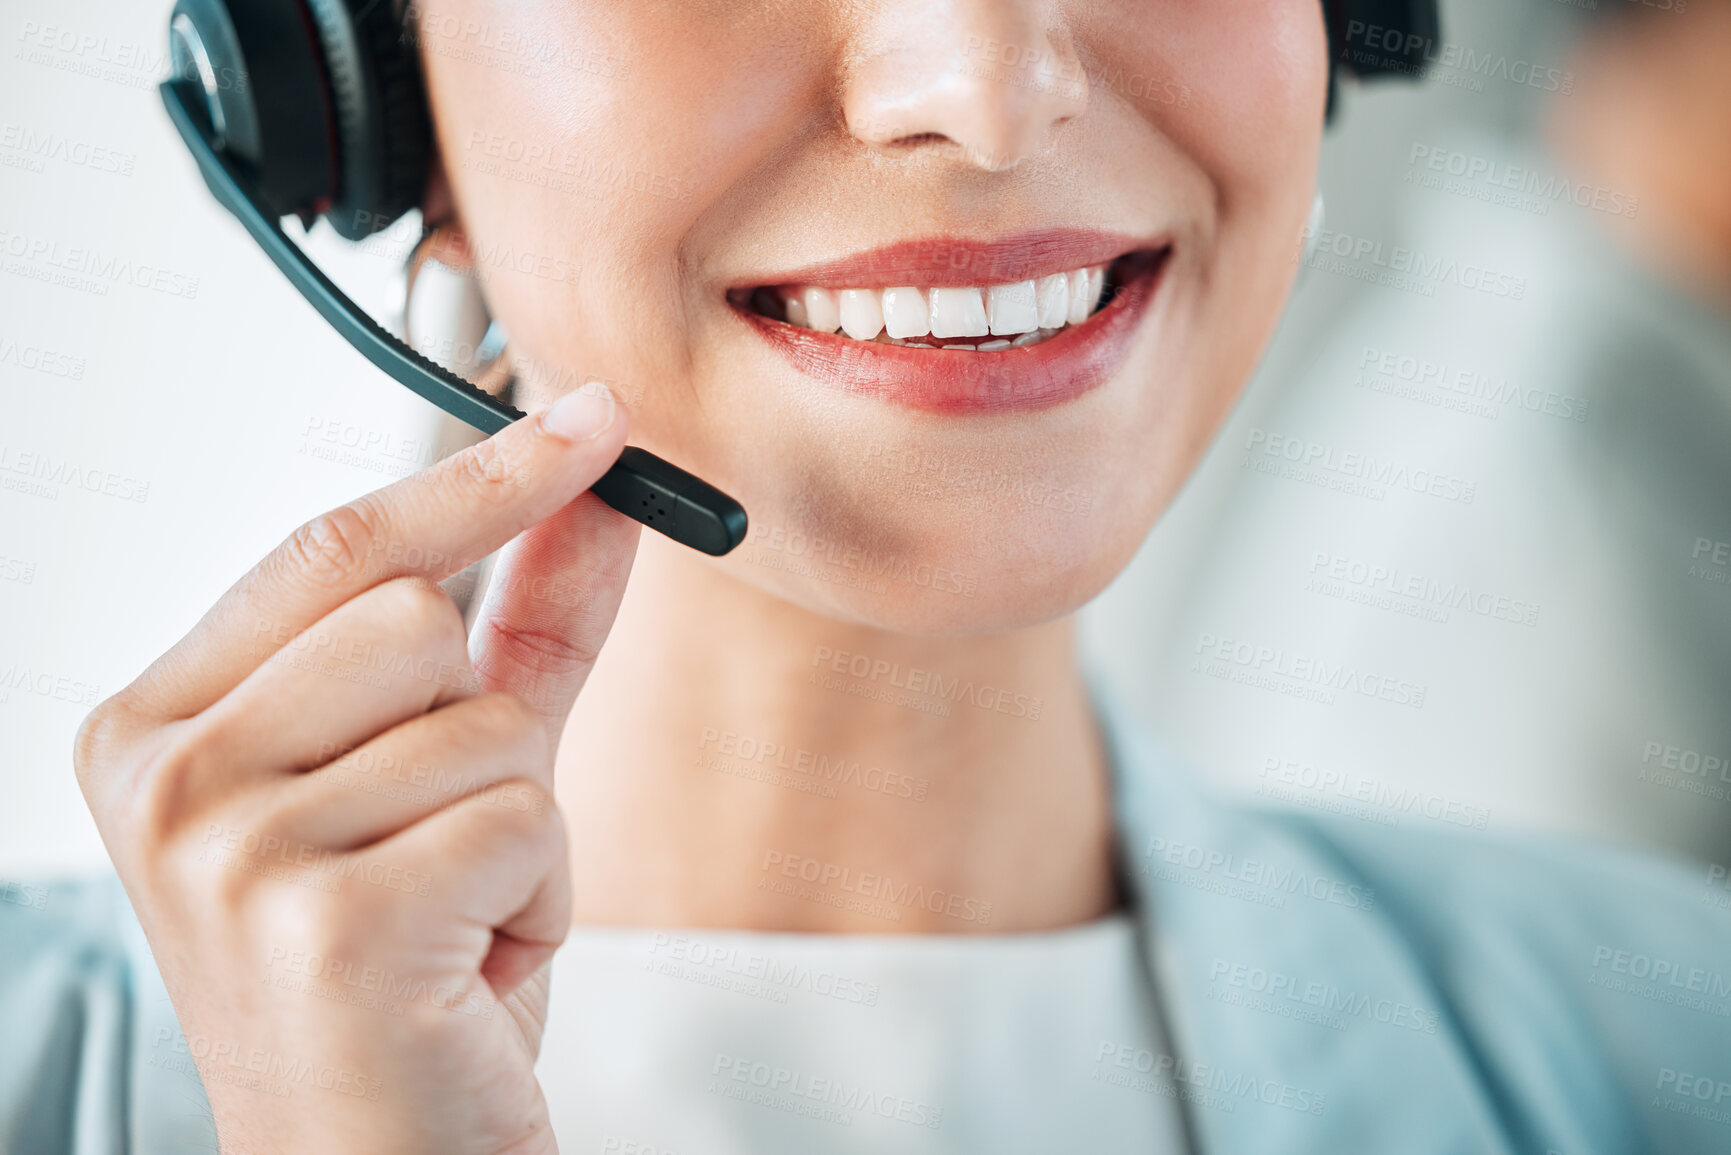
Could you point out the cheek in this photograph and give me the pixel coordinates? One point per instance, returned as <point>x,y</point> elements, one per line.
<point>1250,81</point>
<point>1246,86</point>
<point>699,109</point>
<point>1261,79</point>
<point>604,168</point>
<point>1242,88</point>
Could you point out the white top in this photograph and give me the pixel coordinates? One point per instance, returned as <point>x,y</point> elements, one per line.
<point>726,1042</point>
<point>1326,985</point>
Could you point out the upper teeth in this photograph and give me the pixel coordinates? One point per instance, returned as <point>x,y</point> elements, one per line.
<point>901,312</point>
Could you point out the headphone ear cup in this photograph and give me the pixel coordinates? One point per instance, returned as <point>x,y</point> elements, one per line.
<point>379,107</point>
<point>264,91</point>
<point>1381,37</point>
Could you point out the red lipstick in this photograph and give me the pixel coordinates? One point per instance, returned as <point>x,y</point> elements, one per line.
<point>1074,361</point>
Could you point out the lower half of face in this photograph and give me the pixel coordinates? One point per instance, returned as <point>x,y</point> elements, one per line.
<point>950,297</point>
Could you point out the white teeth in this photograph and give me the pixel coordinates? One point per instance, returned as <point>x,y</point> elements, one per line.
<point>1077,296</point>
<point>905,313</point>
<point>1012,309</point>
<point>862,314</point>
<point>1027,311</point>
<point>821,311</point>
<point>958,313</point>
<point>1085,286</point>
<point>1053,296</point>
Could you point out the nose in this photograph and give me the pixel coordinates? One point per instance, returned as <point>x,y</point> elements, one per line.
<point>988,82</point>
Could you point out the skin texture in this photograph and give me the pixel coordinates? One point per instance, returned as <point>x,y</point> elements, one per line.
<point>234,782</point>
<point>274,884</point>
<point>792,141</point>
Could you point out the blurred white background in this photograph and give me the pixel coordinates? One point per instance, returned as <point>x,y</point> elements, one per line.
<point>221,404</point>
<point>218,399</point>
<point>1585,400</point>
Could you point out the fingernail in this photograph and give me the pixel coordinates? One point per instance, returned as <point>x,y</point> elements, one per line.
<point>581,414</point>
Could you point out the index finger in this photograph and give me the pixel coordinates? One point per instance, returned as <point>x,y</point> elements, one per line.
<point>433,524</point>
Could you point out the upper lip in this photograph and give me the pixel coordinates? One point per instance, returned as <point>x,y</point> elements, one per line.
<point>949,261</point>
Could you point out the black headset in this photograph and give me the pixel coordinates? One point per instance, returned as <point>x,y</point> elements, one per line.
<point>315,108</point>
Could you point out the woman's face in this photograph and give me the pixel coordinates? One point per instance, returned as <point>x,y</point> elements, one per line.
<point>681,198</point>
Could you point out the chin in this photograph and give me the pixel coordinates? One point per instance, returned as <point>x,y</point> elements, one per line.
<point>933,492</point>
<point>930,568</point>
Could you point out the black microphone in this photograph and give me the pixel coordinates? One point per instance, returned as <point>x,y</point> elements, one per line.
<point>640,485</point>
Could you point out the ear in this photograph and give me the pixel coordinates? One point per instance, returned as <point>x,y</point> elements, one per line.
<point>441,307</point>
<point>442,233</point>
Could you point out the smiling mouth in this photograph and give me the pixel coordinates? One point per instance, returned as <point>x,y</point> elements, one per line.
<point>990,318</point>
<point>958,326</point>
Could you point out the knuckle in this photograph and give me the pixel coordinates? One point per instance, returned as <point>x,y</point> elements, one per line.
<point>335,545</point>
<point>150,817</point>
<point>530,811</point>
<point>507,716</point>
<point>98,742</point>
<point>423,611</point>
<point>543,651</point>
<point>487,472</point>
<point>509,726</point>
<point>167,790</point>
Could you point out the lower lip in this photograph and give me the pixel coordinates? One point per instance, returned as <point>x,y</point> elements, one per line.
<point>1059,369</point>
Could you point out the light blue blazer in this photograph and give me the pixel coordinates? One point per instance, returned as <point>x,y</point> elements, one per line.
<point>1374,989</point>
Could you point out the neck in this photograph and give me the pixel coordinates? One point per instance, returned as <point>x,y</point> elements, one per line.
<point>737,761</point>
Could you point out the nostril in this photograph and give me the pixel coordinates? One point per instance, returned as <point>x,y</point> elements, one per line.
<point>919,138</point>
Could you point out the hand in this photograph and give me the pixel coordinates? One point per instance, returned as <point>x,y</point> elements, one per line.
<point>333,811</point>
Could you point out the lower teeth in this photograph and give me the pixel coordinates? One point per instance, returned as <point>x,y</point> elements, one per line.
<point>992,346</point>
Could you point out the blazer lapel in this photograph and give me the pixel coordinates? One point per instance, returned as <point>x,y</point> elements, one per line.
<point>1298,1018</point>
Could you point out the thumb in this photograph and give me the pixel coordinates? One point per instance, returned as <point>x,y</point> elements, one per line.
<point>551,601</point>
